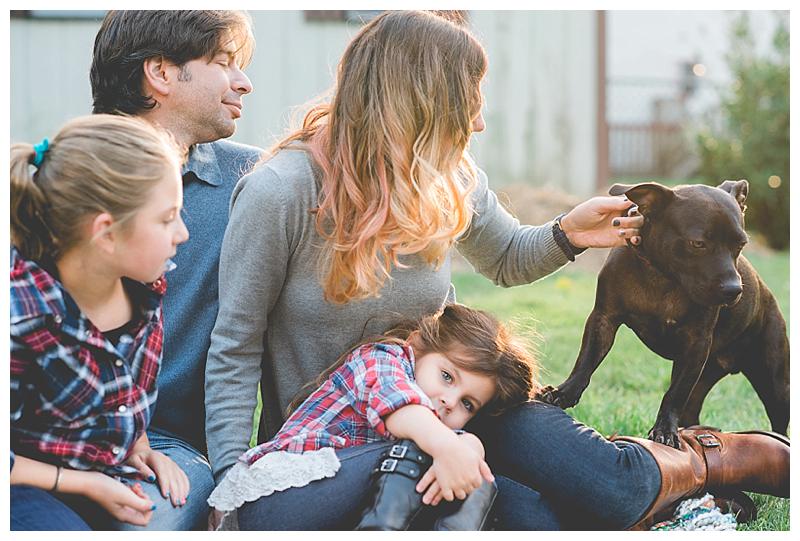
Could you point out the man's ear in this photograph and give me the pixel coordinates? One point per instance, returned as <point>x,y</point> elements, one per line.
<point>738,189</point>
<point>650,197</point>
<point>101,232</point>
<point>156,78</point>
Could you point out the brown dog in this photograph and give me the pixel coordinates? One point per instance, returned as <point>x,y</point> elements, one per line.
<point>692,298</point>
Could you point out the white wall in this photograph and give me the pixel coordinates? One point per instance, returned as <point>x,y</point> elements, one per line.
<point>540,91</point>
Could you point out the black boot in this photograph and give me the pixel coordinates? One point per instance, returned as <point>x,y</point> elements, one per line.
<point>472,513</point>
<point>393,500</point>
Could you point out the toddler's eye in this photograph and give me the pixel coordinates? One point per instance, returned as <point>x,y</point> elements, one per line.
<point>469,406</point>
<point>446,376</point>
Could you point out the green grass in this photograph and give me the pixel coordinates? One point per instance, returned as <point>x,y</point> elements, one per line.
<point>627,388</point>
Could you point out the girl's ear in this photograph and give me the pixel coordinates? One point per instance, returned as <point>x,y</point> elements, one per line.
<point>413,339</point>
<point>102,234</point>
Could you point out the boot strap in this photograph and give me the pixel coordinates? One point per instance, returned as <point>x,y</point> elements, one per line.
<point>408,450</point>
<point>712,453</point>
<point>412,470</point>
<point>404,458</point>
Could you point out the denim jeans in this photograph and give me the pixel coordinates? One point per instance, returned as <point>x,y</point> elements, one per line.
<point>589,482</point>
<point>34,509</point>
<point>552,473</point>
<point>191,516</point>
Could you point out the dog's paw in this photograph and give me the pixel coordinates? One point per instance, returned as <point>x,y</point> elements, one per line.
<point>665,435</point>
<point>556,397</point>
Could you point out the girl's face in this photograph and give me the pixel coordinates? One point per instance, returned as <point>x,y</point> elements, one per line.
<point>456,393</point>
<point>155,231</point>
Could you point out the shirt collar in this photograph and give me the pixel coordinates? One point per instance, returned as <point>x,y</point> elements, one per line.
<point>45,295</point>
<point>203,164</point>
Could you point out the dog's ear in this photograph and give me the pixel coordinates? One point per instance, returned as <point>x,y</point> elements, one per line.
<point>619,189</point>
<point>650,197</point>
<point>738,189</point>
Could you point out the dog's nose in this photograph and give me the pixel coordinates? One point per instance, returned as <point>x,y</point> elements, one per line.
<point>730,291</point>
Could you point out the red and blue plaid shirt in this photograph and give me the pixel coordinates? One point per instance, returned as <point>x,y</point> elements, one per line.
<point>76,399</point>
<point>348,408</point>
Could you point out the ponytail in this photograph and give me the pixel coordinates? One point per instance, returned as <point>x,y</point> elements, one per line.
<point>30,232</point>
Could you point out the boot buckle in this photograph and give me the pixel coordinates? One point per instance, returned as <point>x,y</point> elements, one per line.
<point>388,465</point>
<point>398,451</point>
<point>707,440</point>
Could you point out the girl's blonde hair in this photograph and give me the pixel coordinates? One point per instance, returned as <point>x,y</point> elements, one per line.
<point>96,163</point>
<point>392,148</point>
<point>471,339</point>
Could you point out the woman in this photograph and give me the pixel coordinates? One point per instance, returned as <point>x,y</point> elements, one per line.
<point>348,227</point>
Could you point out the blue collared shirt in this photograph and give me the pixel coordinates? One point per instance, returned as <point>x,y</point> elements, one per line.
<point>191,302</point>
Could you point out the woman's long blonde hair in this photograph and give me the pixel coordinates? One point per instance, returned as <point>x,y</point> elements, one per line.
<point>392,148</point>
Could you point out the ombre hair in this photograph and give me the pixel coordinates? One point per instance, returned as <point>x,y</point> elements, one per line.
<point>473,340</point>
<point>97,163</point>
<point>392,148</point>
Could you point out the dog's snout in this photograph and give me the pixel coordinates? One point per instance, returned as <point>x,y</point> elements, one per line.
<point>730,291</point>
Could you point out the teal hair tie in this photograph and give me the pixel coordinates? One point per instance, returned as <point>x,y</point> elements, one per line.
<point>39,151</point>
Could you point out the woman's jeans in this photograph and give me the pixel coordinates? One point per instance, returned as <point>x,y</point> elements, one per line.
<point>551,471</point>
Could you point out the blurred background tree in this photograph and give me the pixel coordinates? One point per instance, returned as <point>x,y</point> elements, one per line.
<point>751,140</point>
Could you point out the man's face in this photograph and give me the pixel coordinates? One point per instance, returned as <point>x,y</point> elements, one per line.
<point>208,96</point>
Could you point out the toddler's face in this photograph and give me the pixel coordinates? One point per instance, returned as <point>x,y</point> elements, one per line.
<point>456,393</point>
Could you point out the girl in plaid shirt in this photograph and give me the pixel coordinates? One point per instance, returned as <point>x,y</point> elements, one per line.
<point>419,382</point>
<point>95,217</point>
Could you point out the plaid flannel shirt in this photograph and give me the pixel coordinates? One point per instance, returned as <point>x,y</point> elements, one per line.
<point>348,408</point>
<point>76,399</point>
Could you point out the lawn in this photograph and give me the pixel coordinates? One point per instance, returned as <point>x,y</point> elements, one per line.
<point>627,388</point>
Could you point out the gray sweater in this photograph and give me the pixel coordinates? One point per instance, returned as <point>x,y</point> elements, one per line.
<point>272,314</point>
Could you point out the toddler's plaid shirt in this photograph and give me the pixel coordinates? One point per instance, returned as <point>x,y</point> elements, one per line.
<point>348,408</point>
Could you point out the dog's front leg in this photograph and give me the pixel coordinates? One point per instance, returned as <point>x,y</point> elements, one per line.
<point>686,369</point>
<point>598,337</point>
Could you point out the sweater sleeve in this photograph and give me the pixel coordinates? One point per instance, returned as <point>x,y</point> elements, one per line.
<point>253,262</point>
<point>501,249</point>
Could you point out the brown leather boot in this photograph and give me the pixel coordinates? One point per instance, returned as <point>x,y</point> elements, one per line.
<point>717,462</point>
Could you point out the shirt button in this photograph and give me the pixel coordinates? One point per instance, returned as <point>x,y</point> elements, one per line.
<point>118,362</point>
<point>157,283</point>
<point>116,450</point>
<point>57,319</point>
<point>122,409</point>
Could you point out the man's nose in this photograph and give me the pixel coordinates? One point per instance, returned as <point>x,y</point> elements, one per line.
<point>241,82</point>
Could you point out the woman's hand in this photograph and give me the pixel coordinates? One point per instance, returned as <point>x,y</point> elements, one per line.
<point>155,466</point>
<point>458,469</point>
<point>602,222</point>
<point>124,503</point>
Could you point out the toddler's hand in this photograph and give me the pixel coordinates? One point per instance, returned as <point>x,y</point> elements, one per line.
<point>458,469</point>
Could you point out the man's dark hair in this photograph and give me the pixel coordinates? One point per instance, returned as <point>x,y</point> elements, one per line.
<point>127,38</point>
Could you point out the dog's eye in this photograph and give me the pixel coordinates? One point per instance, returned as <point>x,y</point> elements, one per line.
<point>698,244</point>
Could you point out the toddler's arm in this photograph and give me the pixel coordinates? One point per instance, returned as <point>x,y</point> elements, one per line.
<point>458,465</point>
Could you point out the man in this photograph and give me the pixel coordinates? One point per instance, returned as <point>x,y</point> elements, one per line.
<point>182,70</point>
